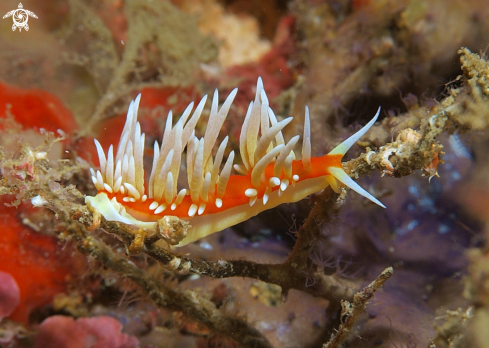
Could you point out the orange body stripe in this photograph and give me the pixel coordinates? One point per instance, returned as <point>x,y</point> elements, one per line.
<point>234,195</point>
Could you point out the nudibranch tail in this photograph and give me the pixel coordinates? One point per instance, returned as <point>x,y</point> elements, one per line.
<point>213,198</point>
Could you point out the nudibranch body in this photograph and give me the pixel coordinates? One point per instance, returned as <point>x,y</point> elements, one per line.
<point>214,199</point>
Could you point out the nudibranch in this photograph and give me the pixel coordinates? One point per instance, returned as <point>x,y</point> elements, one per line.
<point>269,175</point>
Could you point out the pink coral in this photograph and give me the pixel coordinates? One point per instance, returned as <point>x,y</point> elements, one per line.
<point>9,294</point>
<point>98,332</point>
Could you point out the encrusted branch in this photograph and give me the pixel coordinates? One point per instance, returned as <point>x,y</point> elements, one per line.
<point>351,311</point>
<point>412,150</point>
<point>463,109</point>
<point>188,302</point>
<point>294,273</point>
